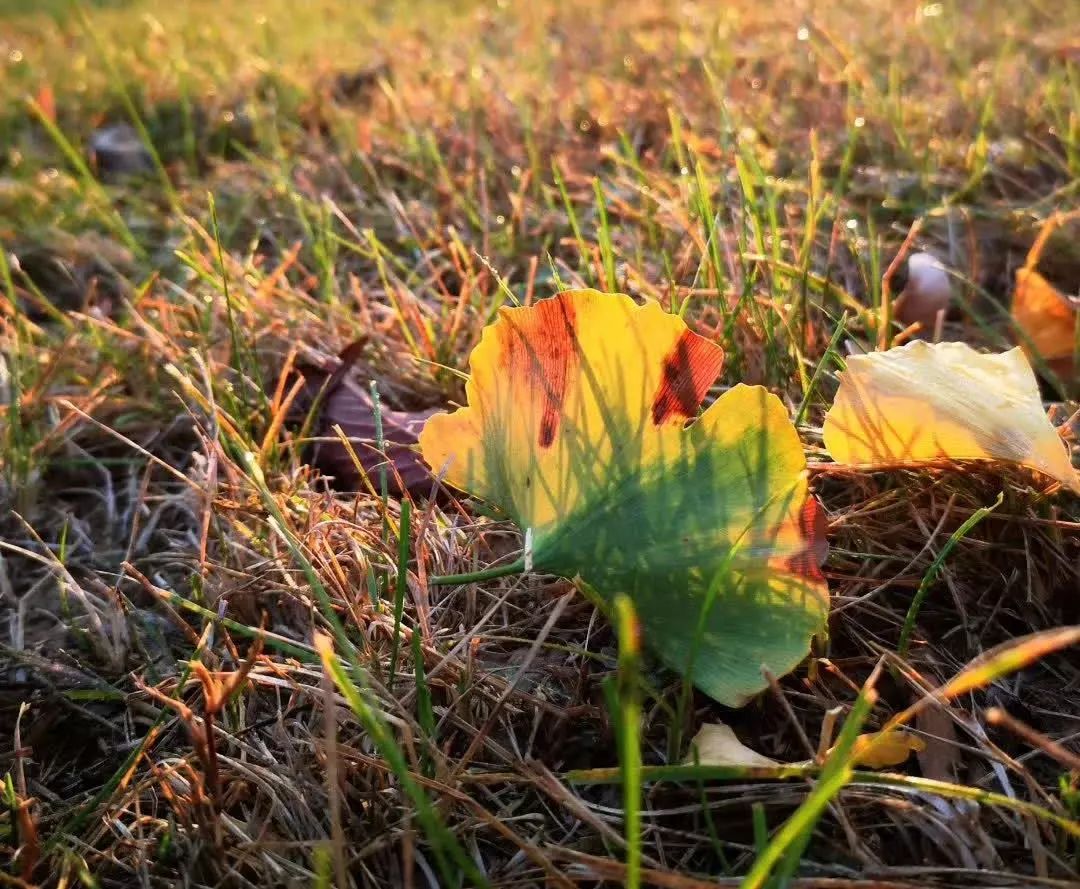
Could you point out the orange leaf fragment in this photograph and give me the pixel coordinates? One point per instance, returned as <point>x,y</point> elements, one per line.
<point>882,750</point>
<point>1048,319</point>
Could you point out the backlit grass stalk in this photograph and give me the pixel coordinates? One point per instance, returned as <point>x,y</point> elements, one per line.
<point>607,251</point>
<point>450,858</point>
<point>401,586</point>
<point>628,728</point>
<point>354,688</point>
<point>785,850</point>
<point>120,85</point>
<point>831,355</point>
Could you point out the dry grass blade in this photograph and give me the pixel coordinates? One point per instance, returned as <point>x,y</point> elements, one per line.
<point>592,867</point>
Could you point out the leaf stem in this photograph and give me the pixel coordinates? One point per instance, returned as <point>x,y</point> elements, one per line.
<point>515,567</point>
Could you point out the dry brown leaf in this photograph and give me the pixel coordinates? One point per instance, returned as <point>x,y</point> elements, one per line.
<point>926,402</point>
<point>350,407</point>
<point>339,400</point>
<point>939,756</point>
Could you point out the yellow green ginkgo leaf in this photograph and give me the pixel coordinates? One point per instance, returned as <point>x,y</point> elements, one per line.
<point>577,426</point>
<point>925,402</point>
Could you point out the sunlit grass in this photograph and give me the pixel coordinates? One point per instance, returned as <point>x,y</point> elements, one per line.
<point>388,175</point>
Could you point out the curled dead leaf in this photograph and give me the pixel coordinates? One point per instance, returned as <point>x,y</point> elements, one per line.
<point>350,407</point>
<point>338,400</point>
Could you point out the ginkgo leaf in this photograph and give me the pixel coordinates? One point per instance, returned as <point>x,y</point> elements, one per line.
<point>1047,317</point>
<point>880,750</point>
<point>715,744</point>
<point>576,426</point>
<point>925,402</point>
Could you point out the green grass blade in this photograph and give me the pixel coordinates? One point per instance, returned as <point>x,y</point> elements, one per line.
<point>935,567</point>
<point>450,857</point>
<point>401,586</point>
<point>628,727</point>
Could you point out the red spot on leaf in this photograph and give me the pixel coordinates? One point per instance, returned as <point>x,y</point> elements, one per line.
<point>541,352</point>
<point>812,528</point>
<point>690,368</point>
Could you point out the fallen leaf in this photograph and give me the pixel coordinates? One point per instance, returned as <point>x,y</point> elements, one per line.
<point>940,756</point>
<point>1048,319</point>
<point>715,744</point>
<point>350,407</point>
<point>881,750</point>
<point>339,400</point>
<point>925,402</point>
<point>576,426</point>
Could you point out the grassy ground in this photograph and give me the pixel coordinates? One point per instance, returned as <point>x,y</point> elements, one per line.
<point>388,175</point>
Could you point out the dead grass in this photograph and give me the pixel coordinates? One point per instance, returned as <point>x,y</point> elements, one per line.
<point>768,155</point>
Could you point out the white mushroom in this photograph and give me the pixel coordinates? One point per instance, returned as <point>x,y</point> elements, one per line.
<point>928,292</point>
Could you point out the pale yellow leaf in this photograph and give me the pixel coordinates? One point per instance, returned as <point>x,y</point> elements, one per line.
<point>716,745</point>
<point>928,402</point>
